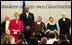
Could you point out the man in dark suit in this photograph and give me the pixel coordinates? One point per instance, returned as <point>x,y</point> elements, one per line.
<point>28,19</point>
<point>64,24</point>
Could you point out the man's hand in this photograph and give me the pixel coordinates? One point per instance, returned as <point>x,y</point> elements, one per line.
<point>42,30</point>
<point>27,28</point>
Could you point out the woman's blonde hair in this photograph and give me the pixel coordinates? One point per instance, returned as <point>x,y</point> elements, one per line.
<point>15,13</point>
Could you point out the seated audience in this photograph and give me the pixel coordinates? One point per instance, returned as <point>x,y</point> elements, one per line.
<point>43,40</point>
<point>61,37</point>
<point>52,38</point>
<point>64,42</point>
<point>55,42</point>
<point>7,39</point>
<point>21,39</point>
<point>32,40</point>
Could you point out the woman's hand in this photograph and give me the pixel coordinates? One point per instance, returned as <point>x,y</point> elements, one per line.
<point>55,30</point>
<point>14,30</point>
<point>18,30</point>
<point>49,30</point>
<point>52,31</point>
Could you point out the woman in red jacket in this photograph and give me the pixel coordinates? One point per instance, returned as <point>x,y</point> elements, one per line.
<point>16,26</point>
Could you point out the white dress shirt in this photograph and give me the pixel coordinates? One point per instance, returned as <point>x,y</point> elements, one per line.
<point>63,19</point>
<point>38,22</point>
<point>7,31</point>
<point>27,14</point>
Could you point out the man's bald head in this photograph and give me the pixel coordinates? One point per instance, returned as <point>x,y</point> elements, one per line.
<point>7,17</point>
<point>26,8</point>
<point>63,14</point>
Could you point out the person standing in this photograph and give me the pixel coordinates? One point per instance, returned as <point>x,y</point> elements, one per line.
<point>28,19</point>
<point>64,24</point>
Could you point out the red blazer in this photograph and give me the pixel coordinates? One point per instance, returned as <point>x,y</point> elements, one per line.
<point>35,25</point>
<point>14,26</point>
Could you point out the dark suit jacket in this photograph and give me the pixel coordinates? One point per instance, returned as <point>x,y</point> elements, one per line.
<point>64,25</point>
<point>27,22</point>
<point>3,27</point>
